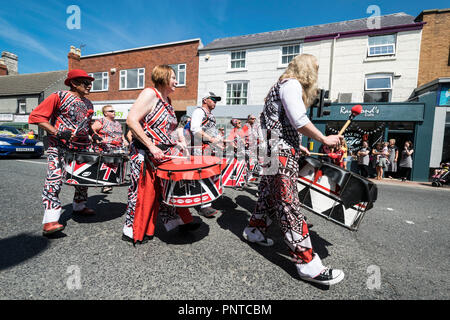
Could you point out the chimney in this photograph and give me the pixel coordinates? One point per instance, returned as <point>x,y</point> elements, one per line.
<point>11,62</point>
<point>3,68</point>
<point>74,57</point>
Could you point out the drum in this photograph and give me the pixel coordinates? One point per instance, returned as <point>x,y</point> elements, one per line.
<point>234,173</point>
<point>90,169</point>
<point>191,181</point>
<point>335,193</point>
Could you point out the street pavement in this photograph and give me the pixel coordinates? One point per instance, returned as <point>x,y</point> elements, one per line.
<point>401,250</point>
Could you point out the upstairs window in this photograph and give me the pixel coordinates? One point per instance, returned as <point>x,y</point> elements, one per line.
<point>101,81</point>
<point>288,53</point>
<point>180,73</point>
<point>381,45</point>
<point>132,79</point>
<point>237,92</point>
<point>238,60</point>
<point>378,88</point>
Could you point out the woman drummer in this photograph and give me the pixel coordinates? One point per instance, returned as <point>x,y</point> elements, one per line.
<point>152,121</point>
<point>285,120</point>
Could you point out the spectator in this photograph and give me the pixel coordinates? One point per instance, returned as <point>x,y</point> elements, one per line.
<point>363,159</point>
<point>406,161</point>
<point>391,170</point>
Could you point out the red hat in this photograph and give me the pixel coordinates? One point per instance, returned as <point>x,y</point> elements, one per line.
<point>76,73</point>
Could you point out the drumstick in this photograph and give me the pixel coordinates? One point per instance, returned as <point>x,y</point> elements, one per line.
<point>356,110</point>
<point>177,157</point>
<point>331,155</point>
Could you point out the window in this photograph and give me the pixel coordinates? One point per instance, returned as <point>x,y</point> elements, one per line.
<point>101,81</point>
<point>238,60</point>
<point>21,106</point>
<point>132,79</point>
<point>180,73</point>
<point>237,92</point>
<point>381,45</point>
<point>288,53</point>
<point>378,88</point>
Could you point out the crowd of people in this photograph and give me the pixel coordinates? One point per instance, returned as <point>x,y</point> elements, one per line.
<point>155,133</point>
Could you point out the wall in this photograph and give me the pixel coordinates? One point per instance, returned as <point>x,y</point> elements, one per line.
<point>349,70</point>
<point>146,58</point>
<point>434,56</point>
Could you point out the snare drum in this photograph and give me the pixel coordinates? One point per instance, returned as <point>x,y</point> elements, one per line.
<point>191,181</point>
<point>335,193</point>
<point>90,169</point>
<point>234,173</point>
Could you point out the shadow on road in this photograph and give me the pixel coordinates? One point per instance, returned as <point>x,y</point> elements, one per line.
<point>180,238</point>
<point>235,220</point>
<point>17,249</point>
<point>105,210</point>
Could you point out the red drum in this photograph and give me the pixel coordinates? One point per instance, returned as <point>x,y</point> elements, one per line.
<point>335,193</point>
<point>90,169</point>
<point>191,181</point>
<point>235,172</point>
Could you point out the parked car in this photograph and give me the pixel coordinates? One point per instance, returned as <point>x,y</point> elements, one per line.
<point>13,143</point>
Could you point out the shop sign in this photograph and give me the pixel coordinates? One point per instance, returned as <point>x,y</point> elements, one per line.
<point>368,111</point>
<point>6,117</point>
<point>121,110</point>
<point>444,96</point>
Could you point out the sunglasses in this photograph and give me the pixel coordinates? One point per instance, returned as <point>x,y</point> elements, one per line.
<point>85,82</point>
<point>111,111</point>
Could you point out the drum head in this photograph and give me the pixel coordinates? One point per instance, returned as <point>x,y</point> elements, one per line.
<point>191,168</point>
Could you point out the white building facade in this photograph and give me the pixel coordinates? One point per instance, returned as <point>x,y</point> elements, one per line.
<point>356,62</point>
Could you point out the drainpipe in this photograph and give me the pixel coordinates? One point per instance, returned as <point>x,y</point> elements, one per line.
<point>330,79</point>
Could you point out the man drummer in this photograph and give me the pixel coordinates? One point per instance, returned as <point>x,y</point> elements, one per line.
<point>205,136</point>
<point>110,132</point>
<point>65,116</point>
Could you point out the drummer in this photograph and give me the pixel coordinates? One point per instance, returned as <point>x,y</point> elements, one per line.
<point>205,137</point>
<point>61,115</point>
<point>110,132</point>
<point>284,116</point>
<point>153,122</point>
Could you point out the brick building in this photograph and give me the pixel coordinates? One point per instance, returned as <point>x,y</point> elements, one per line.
<point>121,75</point>
<point>435,47</point>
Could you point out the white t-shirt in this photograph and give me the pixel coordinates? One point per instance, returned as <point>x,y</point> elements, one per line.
<point>291,97</point>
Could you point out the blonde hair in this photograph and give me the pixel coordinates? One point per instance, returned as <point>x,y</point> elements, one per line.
<point>161,75</point>
<point>304,68</point>
<point>104,107</point>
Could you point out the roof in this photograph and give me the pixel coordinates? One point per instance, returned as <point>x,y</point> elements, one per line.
<point>146,47</point>
<point>431,11</point>
<point>33,83</point>
<point>303,33</point>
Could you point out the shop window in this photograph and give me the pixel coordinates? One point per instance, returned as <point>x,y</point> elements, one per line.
<point>237,92</point>
<point>378,88</point>
<point>132,79</point>
<point>446,146</point>
<point>101,81</point>
<point>381,45</point>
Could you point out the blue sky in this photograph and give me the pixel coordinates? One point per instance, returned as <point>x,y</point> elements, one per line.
<point>37,30</point>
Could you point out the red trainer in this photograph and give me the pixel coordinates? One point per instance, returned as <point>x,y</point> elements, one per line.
<point>85,212</point>
<point>52,227</point>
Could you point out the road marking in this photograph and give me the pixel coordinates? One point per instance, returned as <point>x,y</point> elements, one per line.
<point>390,209</point>
<point>409,222</point>
<point>32,162</point>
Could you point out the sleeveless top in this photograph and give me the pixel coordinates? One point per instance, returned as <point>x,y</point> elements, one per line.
<point>275,121</point>
<point>111,132</point>
<point>71,113</point>
<point>159,125</point>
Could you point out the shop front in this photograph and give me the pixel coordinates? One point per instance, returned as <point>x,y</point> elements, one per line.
<point>378,123</point>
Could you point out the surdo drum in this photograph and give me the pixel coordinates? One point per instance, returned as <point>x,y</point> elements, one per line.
<point>191,181</point>
<point>90,169</point>
<point>335,193</point>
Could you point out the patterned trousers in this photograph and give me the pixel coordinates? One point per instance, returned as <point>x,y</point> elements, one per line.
<point>53,184</point>
<point>278,200</point>
<point>168,214</point>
